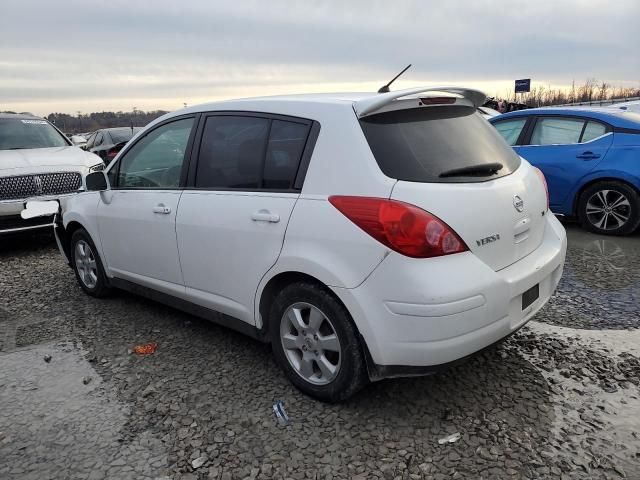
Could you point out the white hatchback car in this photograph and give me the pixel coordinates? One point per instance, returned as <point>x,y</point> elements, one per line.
<point>364,235</point>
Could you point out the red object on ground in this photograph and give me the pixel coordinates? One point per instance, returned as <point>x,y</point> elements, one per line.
<point>146,349</point>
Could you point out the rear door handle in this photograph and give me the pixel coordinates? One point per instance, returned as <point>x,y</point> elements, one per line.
<point>588,156</point>
<point>265,216</point>
<point>160,208</point>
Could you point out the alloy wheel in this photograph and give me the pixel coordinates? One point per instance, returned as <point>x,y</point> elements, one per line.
<point>608,209</point>
<point>86,264</point>
<point>310,343</point>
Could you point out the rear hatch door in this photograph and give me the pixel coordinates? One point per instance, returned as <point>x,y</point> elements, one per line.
<point>450,162</point>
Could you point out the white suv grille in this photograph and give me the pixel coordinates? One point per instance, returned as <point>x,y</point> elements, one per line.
<point>24,186</point>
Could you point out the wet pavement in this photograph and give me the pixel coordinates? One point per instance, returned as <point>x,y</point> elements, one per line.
<point>561,399</point>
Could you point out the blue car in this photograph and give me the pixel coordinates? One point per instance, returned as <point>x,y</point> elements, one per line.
<point>590,158</point>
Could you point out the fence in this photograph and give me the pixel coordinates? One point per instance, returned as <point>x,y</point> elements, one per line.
<point>611,101</point>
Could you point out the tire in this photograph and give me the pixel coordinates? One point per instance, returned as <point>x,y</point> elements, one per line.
<point>597,215</point>
<point>311,352</point>
<point>94,284</point>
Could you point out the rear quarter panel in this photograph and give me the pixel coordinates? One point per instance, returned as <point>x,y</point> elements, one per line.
<point>322,242</point>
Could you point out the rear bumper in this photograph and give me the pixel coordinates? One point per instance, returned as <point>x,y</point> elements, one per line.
<point>428,313</point>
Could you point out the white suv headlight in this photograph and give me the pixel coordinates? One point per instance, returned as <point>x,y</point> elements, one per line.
<point>96,168</point>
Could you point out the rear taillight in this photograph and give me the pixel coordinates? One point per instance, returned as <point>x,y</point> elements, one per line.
<point>112,152</point>
<point>544,182</point>
<point>403,227</point>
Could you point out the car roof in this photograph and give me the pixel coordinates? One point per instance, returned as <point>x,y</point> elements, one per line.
<point>617,118</point>
<point>18,116</point>
<point>315,105</point>
<point>341,98</point>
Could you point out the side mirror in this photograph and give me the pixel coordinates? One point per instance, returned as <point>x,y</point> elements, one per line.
<point>96,182</point>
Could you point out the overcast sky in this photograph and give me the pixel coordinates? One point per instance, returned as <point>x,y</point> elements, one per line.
<point>70,56</point>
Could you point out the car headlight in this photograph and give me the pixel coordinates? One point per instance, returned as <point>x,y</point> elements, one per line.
<point>97,168</point>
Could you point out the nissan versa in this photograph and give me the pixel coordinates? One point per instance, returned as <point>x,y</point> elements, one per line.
<point>363,235</point>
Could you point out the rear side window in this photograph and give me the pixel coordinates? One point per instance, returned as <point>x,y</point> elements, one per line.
<point>593,130</point>
<point>511,129</point>
<point>249,153</point>
<point>427,144</point>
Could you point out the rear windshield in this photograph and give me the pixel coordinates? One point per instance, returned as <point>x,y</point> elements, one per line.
<point>123,134</point>
<point>438,144</point>
<point>21,133</point>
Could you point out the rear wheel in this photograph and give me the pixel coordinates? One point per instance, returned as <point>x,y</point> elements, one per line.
<point>87,265</point>
<point>609,208</point>
<point>315,342</point>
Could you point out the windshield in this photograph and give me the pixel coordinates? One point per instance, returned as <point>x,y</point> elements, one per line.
<point>123,134</point>
<point>438,144</point>
<point>19,133</point>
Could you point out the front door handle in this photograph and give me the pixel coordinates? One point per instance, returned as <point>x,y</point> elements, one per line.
<point>588,156</point>
<point>160,208</point>
<point>265,216</point>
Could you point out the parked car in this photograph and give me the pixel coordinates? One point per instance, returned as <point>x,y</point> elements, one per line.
<point>78,141</point>
<point>107,142</point>
<point>365,236</point>
<point>632,106</point>
<point>488,112</point>
<point>37,161</point>
<point>590,158</point>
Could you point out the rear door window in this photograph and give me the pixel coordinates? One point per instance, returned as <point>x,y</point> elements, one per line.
<point>250,153</point>
<point>286,143</point>
<point>231,152</point>
<point>426,144</point>
<point>511,129</point>
<point>557,131</point>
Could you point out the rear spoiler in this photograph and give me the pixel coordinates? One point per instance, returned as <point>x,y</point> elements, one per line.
<point>372,104</point>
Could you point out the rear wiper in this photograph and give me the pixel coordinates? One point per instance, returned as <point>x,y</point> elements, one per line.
<point>472,170</point>
<point>17,148</point>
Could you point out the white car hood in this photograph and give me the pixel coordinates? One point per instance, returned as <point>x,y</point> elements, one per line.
<point>37,160</point>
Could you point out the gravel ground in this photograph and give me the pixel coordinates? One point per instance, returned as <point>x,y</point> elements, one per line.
<point>551,402</point>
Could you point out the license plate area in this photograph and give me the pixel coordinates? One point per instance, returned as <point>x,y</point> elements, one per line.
<point>530,296</point>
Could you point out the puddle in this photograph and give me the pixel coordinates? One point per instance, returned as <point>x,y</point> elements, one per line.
<point>58,420</point>
<point>594,428</point>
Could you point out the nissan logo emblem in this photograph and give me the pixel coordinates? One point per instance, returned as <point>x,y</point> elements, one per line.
<point>518,203</point>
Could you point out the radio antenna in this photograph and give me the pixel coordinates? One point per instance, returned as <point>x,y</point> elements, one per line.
<point>385,88</point>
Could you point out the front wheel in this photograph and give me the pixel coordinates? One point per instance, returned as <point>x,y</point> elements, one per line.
<point>87,265</point>
<point>315,342</point>
<point>609,208</point>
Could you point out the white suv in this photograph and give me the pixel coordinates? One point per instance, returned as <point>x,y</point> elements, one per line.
<point>37,162</point>
<point>364,235</point>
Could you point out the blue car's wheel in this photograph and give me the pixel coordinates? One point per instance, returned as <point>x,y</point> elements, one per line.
<point>609,208</point>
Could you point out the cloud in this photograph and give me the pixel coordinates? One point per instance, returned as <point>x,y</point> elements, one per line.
<point>72,55</point>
